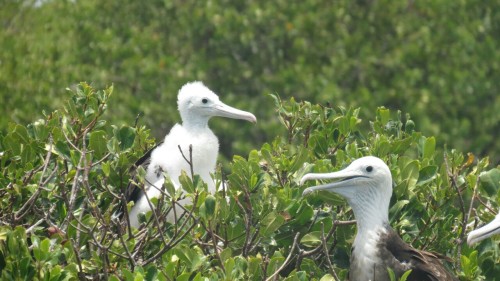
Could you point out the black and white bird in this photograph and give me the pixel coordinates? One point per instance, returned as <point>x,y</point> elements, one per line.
<point>485,231</point>
<point>196,104</point>
<point>366,184</point>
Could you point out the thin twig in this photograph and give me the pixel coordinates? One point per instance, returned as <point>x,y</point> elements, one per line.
<point>29,204</point>
<point>287,260</point>
<point>453,179</point>
<point>325,249</point>
<point>190,161</point>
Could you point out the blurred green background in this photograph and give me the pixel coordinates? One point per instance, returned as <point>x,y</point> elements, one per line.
<point>439,61</point>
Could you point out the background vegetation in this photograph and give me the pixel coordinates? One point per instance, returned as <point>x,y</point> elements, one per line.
<point>65,154</point>
<point>437,60</point>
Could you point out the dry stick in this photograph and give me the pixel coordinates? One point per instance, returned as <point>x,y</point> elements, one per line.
<point>248,225</point>
<point>30,203</point>
<point>287,260</point>
<point>155,217</point>
<point>252,241</point>
<point>81,275</point>
<point>130,257</point>
<point>223,179</point>
<point>75,186</point>
<point>101,160</point>
<point>325,249</point>
<point>486,205</point>
<point>86,171</point>
<point>172,244</point>
<point>426,224</point>
<point>214,243</point>
<point>453,179</point>
<point>336,223</point>
<point>32,228</point>
<point>190,161</point>
<point>303,254</point>
<point>37,193</point>
<point>473,198</point>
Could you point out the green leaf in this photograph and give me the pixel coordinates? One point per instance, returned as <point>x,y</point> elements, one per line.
<point>106,168</point>
<point>405,275</point>
<point>327,277</point>
<point>125,137</point>
<point>271,223</point>
<point>113,278</point>
<point>392,276</point>
<point>427,174</point>
<point>186,182</point>
<point>397,207</point>
<point>62,149</point>
<point>490,181</point>
<point>55,273</point>
<point>410,174</point>
<point>311,239</point>
<point>429,148</point>
<point>98,143</point>
<point>209,206</point>
<point>383,114</point>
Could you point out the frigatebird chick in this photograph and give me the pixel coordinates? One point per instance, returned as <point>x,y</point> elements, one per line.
<point>485,231</point>
<point>366,184</point>
<point>196,104</point>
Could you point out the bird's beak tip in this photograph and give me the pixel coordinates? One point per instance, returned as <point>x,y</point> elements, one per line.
<point>306,192</point>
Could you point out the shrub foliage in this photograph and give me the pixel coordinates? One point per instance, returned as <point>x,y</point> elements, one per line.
<point>438,60</point>
<point>63,177</point>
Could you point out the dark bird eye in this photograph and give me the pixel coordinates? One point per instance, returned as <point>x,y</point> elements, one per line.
<point>369,169</point>
<point>204,100</point>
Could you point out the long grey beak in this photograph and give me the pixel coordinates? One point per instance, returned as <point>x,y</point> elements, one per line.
<point>223,110</point>
<point>484,232</point>
<point>343,177</point>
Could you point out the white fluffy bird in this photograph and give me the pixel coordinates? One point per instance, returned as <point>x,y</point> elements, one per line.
<point>196,104</point>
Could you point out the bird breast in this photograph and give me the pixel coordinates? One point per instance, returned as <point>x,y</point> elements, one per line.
<point>205,148</point>
<point>365,257</point>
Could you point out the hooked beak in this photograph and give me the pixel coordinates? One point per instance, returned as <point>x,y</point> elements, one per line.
<point>484,232</point>
<point>345,178</point>
<point>223,110</point>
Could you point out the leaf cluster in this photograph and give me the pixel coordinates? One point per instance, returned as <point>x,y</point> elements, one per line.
<point>63,178</point>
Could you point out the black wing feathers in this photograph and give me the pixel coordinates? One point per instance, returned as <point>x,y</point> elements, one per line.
<point>424,265</point>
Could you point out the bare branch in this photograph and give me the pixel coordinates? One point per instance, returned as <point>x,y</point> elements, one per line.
<point>453,178</point>
<point>29,204</point>
<point>288,258</point>
<point>327,256</point>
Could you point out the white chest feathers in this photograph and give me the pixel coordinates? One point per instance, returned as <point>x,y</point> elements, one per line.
<point>365,257</point>
<point>169,159</point>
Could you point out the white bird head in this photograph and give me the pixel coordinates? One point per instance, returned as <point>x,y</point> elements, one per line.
<point>197,104</point>
<point>484,232</point>
<point>366,184</point>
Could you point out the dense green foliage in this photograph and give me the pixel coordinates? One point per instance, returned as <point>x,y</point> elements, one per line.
<point>62,178</point>
<point>437,60</point>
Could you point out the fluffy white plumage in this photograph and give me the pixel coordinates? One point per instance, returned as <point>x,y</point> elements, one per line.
<point>196,104</point>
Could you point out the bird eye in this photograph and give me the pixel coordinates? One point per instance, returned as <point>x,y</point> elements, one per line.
<point>369,169</point>
<point>204,100</point>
